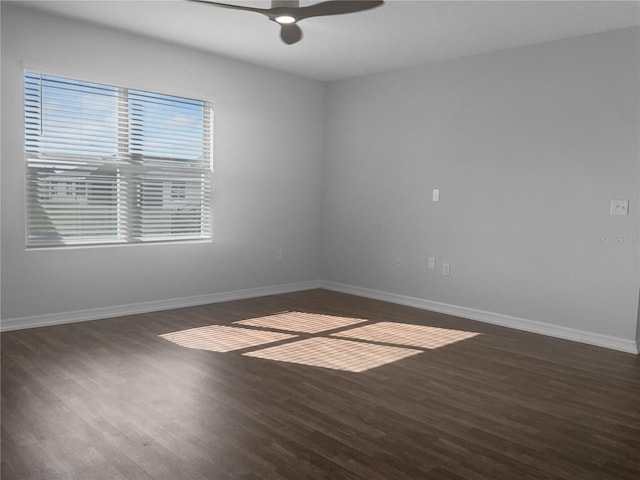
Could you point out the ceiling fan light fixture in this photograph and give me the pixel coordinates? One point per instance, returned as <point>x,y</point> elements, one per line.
<point>285,19</point>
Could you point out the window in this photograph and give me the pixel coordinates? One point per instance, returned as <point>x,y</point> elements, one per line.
<point>107,164</point>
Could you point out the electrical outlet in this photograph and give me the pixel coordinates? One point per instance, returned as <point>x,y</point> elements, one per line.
<point>446,269</point>
<point>431,263</point>
<point>619,207</point>
<point>279,255</point>
<point>399,262</point>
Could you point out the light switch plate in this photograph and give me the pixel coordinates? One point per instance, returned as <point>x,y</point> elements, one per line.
<point>436,195</point>
<point>619,207</point>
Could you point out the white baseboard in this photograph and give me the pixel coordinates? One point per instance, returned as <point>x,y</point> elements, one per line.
<point>19,323</point>
<point>542,328</point>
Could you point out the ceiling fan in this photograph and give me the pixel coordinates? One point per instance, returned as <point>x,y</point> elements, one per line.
<point>287,13</point>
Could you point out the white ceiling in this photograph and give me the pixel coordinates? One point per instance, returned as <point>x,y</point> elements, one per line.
<point>398,34</point>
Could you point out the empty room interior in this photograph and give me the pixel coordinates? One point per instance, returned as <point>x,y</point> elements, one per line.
<point>343,240</point>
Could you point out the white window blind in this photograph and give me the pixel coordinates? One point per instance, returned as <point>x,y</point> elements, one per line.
<point>108,164</point>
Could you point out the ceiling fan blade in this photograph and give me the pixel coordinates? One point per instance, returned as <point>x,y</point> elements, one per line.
<point>264,11</point>
<point>290,33</point>
<point>336,7</point>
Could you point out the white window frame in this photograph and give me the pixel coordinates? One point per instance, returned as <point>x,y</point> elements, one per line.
<point>132,224</point>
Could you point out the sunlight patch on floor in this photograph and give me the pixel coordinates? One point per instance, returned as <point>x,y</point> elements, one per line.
<point>300,322</point>
<point>359,349</point>
<point>406,334</point>
<point>220,338</point>
<point>335,354</point>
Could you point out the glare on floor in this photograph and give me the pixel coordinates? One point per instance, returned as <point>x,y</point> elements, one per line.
<point>367,347</point>
<point>220,338</point>
<point>301,322</point>
<point>406,334</point>
<point>333,353</point>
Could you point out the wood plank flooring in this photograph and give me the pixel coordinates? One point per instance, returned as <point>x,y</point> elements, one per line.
<point>152,396</point>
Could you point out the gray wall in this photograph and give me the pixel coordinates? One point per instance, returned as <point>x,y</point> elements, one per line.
<point>266,193</point>
<point>638,326</point>
<point>527,146</point>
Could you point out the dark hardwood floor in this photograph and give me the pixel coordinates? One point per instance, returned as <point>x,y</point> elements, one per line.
<point>156,396</point>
